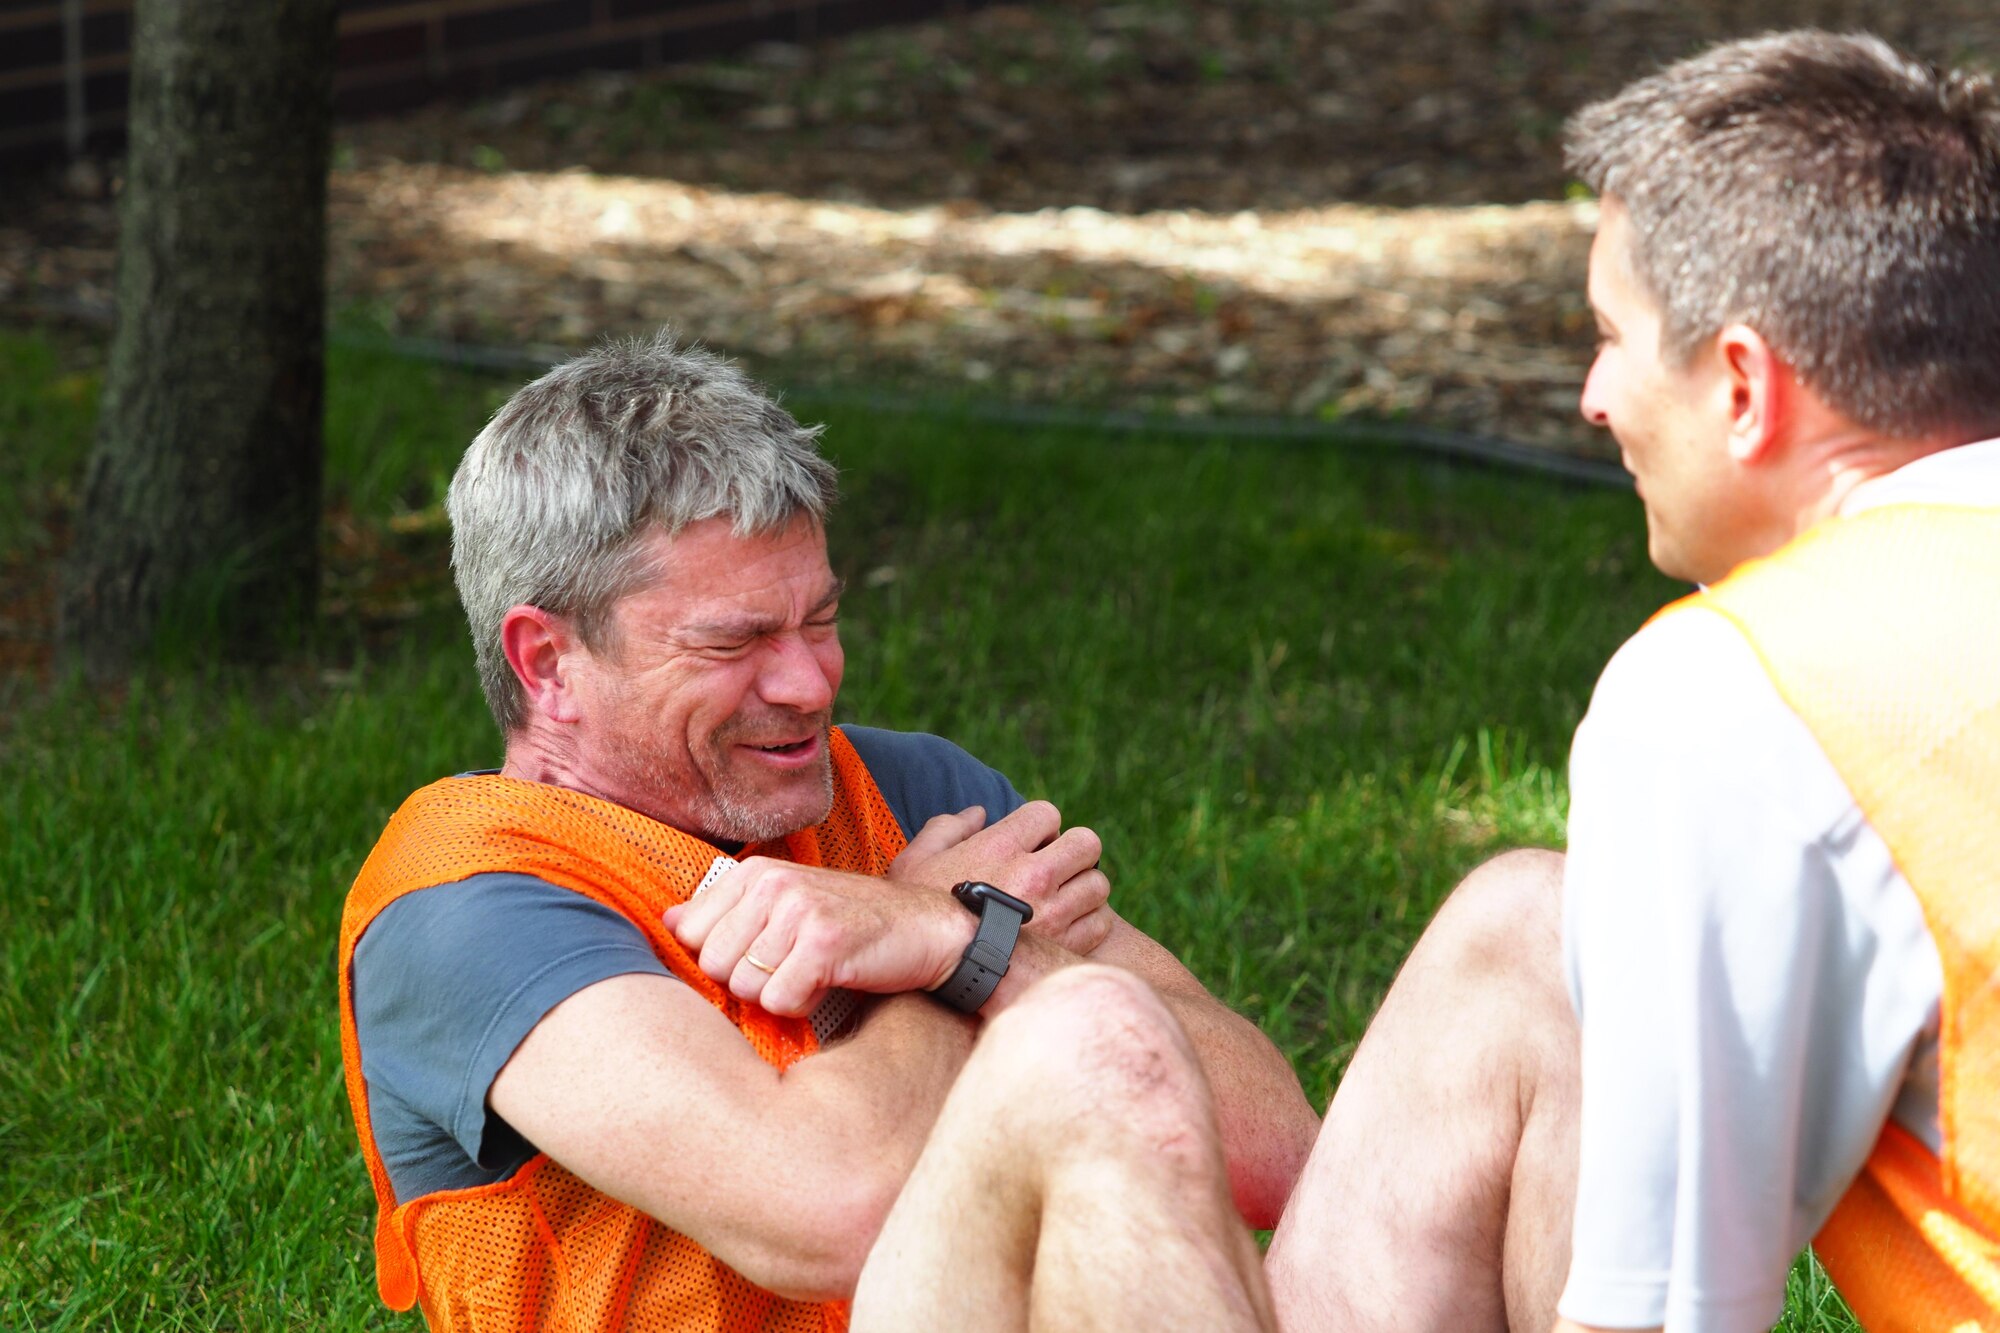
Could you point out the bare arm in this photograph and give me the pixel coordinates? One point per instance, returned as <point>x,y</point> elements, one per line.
<point>825,930</point>
<point>640,1087</point>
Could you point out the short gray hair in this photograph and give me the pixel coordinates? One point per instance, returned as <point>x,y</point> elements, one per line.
<point>1839,197</point>
<point>551,500</point>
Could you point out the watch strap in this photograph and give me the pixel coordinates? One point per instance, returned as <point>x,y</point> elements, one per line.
<point>985,960</point>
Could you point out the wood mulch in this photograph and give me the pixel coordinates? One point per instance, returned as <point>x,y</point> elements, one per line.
<point>1271,206</point>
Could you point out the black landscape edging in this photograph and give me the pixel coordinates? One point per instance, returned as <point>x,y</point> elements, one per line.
<point>1456,446</point>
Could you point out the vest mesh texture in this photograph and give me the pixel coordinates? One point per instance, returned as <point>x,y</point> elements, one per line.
<point>543,1250</point>
<point>1882,632</point>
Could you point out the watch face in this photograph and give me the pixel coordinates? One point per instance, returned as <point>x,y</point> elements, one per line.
<point>976,895</point>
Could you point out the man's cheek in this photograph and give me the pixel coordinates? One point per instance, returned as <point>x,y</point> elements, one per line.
<point>833,665</point>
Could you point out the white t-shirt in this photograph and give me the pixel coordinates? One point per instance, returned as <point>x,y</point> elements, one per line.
<point>1757,989</point>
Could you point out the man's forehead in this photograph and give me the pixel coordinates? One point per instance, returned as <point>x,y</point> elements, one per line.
<point>716,540</point>
<point>1611,258</point>
<point>708,563</point>
<point>1610,231</point>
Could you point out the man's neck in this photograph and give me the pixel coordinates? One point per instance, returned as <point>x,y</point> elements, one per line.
<point>1834,469</point>
<point>534,756</point>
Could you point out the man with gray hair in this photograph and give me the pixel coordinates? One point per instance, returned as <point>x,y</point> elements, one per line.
<point>1779,914</point>
<point>579,993</point>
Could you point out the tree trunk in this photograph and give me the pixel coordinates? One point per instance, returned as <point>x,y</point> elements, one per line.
<point>199,522</point>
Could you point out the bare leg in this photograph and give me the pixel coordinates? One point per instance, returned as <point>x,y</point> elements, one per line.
<point>1074,1182</point>
<point>1439,1193</point>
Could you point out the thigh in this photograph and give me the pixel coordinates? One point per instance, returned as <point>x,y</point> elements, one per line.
<point>1438,1193</point>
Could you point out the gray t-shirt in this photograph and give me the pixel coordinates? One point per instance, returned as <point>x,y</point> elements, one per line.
<point>449,979</point>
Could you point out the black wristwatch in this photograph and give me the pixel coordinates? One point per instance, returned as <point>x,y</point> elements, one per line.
<point>1001,916</point>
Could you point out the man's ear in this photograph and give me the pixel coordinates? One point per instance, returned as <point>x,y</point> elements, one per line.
<point>1759,385</point>
<point>539,646</point>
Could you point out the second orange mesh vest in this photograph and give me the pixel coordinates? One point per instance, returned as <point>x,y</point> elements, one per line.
<point>1882,632</point>
<point>542,1250</point>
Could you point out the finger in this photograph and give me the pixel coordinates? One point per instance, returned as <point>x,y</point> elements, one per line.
<point>1077,850</point>
<point>813,948</point>
<point>1080,895</point>
<point>750,981</point>
<point>1058,911</point>
<point>794,989</point>
<point>1089,931</point>
<point>1028,827</point>
<point>941,833</point>
<point>731,936</point>
<point>692,921</point>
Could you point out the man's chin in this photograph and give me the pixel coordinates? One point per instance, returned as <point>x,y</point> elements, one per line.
<point>763,811</point>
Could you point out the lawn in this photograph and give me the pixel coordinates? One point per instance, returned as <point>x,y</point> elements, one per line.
<point>1299,690</point>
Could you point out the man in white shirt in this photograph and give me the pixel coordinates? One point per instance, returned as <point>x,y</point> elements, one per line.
<point>1797,285</point>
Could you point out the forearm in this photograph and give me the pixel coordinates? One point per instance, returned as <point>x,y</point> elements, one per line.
<point>642,1089</point>
<point>858,1114</point>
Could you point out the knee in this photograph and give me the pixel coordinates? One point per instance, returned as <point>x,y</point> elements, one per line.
<point>1090,1018</point>
<point>1509,904</point>
<point>1097,1047</point>
<point>1072,994</point>
<point>1502,927</point>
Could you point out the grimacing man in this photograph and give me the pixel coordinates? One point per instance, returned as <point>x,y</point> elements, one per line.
<point>573,1118</point>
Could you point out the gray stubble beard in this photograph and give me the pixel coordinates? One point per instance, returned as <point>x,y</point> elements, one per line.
<point>724,813</point>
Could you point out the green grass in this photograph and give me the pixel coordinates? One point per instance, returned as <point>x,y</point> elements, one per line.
<point>47,404</point>
<point>1299,691</point>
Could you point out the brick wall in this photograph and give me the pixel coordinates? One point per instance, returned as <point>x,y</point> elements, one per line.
<point>63,63</point>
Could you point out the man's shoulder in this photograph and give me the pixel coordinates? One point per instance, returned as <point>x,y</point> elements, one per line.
<point>922,776</point>
<point>1689,677</point>
<point>887,746</point>
<point>1686,706</point>
<point>446,982</point>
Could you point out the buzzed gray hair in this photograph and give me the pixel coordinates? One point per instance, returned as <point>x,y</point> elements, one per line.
<point>551,500</point>
<point>1839,197</point>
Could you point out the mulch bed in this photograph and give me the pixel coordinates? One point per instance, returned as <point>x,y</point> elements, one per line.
<point>1264,207</point>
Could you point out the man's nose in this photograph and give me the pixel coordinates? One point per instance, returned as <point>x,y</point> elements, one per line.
<point>794,676</point>
<point>1591,404</point>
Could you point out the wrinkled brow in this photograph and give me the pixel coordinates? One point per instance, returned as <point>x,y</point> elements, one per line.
<point>749,627</point>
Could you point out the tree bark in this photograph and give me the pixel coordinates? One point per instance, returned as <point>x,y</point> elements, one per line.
<point>199,520</point>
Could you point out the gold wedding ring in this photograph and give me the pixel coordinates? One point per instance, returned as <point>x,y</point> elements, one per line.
<point>751,959</point>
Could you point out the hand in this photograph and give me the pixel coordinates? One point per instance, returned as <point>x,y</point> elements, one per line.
<point>1028,854</point>
<point>813,929</point>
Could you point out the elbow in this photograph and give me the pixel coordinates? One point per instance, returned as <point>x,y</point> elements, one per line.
<point>1260,1193</point>
<point>1265,1165</point>
<point>821,1259</point>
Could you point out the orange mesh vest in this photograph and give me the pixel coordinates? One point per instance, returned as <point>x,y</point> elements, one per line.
<point>542,1250</point>
<point>1882,632</point>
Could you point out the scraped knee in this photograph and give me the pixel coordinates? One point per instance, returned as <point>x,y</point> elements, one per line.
<point>1095,1054</point>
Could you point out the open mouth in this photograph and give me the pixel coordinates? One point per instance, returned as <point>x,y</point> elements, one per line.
<point>787,747</point>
